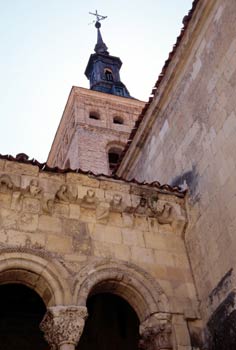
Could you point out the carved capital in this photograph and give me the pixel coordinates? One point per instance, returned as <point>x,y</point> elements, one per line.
<point>63,325</point>
<point>155,333</point>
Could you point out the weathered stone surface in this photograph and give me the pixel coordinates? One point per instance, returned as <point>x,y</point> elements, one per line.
<point>190,132</point>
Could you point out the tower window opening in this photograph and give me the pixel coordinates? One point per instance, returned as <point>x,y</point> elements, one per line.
<point>94,115</point>
<point>113,157</point>
<point>119,91</point>
<point>118,120</point>
<point>108,74</point>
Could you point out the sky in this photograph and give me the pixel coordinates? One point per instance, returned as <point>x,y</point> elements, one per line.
<point>44,49</point>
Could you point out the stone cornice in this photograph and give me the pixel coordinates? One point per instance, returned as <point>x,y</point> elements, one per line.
<point>33,167</point>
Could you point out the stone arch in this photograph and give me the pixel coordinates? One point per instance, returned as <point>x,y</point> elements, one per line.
<point>44,277</point>
<point>114,150</point>
<point>126,280</point>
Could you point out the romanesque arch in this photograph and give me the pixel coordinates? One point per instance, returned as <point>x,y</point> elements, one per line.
<point>126,280</point>
<point>47,278</point>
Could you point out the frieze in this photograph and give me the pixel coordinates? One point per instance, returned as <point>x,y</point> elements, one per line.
<point>33,199</point>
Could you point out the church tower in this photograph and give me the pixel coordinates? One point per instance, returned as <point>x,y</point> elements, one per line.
<point>96,122</point>
<point>103,70</point>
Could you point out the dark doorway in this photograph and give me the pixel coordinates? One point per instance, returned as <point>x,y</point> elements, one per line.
<point>112,325</point>
<point>21,311</point>
<point>222,326</point>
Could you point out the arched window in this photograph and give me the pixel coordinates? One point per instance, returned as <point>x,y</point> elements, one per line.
<point>22,310</point>
<point>94,115</point>
<point>113,157</point>
<point>108,74</point>
<point>118,120</point>
<point>112,324</point>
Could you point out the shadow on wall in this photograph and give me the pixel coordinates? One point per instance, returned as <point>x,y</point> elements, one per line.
<point>188,180</point>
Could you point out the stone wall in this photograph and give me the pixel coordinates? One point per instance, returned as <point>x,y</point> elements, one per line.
<point>65,235</point>
<point>190,140</point>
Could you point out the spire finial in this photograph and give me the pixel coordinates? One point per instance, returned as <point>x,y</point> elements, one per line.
<point>99,18</point>
<point>100,47</point>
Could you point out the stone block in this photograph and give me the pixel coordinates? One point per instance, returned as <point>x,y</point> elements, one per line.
<point>115,219</point>
<point>153,225</point>
<point>31,205</point>
<point>49,224</point>
<point>28,222</point>
<point>142,255</point>
<point>116,186</point>
<point>155,241</point>
<point>52,177</point>
<point>88,215</point>
<point>128,220</point>
<point>24,239</point>
<point>8,219</point>
<point>5,200</point>
<point>182,335</point>
<point>74,211</point>
<point>74,257</point>
<point>141,222</point>
<point>21,168</point>
<point>103,250</point>
<point>163,257</point>
<point>121,252</point>
<point>108,234</point>
<point>83,180</point>
<point>2,164</point>
<point>133,237</point>
<point>59,244</point>
<point>61,209</point>
<point>181,260</point>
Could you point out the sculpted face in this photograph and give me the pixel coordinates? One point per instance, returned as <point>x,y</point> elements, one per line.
<point>143,202</point>
<point>117,199</point>
<point>34,188</point>
<point>90,193</point>
<point>63,188</point>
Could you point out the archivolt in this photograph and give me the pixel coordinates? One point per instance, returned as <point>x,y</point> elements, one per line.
<point>45,277</point>
<point>128,281</point>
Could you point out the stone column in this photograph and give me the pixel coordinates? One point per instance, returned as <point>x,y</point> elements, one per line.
<point>63,326</point>
<point>155,333</point>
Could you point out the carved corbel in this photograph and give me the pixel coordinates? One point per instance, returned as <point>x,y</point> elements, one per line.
<point>155,333</point>
<point>63,325</point>
<point>103,211</point>
<point>90,200</point>
<point>6,184</point>
<point>33,190</point>
<point>172,215</point>
<point>166,215</point>
<point>117,204</point>
<point>64,194</point>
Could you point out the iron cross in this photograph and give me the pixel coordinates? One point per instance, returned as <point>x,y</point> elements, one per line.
<point>98,17</point>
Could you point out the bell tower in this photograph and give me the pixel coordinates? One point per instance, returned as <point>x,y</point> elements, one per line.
<point>96,122</point>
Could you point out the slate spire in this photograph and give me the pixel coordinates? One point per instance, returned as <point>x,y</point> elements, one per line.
<point>103,70</point>
<point>100,47</point>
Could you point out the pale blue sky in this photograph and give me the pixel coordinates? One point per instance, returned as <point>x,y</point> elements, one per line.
<point>44,49</point>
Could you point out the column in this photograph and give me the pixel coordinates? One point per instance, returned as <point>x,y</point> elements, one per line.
<point>63,326</point>
<point>155,333</point>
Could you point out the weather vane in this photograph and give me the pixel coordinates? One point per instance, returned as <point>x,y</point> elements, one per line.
<point>98,17</point>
